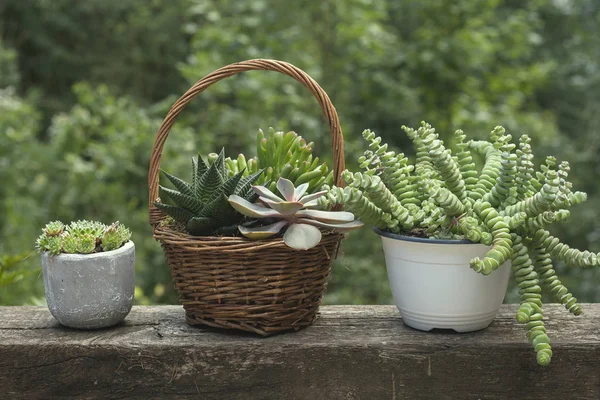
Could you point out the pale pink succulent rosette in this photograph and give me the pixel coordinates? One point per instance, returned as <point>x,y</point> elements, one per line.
<point>294,212</point>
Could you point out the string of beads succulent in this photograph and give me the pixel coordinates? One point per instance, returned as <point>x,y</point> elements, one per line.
<point>291,212</point>
<point>506,204</point>
<point>81,237</point>
<point>285,155</point>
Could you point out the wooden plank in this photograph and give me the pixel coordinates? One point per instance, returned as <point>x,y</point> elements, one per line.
<point>352,352</point>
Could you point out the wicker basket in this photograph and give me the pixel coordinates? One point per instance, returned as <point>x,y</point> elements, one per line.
<point>235,283</point>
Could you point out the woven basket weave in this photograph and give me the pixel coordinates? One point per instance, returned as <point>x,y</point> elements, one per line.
<point>235,283</point>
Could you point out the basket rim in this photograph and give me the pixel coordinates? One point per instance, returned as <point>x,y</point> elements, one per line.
<point>229,239</point>
<point>233,244</point>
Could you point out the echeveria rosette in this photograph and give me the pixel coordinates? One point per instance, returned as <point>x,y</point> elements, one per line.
<point>293,212</point>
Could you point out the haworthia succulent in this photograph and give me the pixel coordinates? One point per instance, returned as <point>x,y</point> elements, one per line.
<point>201,206</point>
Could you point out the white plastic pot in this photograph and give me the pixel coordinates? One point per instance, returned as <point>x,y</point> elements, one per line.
<point>433,286</point>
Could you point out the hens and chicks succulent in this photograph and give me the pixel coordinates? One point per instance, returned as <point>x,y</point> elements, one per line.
<point>82,237</point>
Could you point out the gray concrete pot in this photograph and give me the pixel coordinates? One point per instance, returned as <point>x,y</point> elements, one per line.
<point>90,291</point>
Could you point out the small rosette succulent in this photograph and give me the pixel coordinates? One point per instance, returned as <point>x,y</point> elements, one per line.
<point>114,236</point>
<point>293,213</point>
<point>82,237</point>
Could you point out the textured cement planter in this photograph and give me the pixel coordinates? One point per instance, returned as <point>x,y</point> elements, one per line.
<point>433,286</point>
<point>90,291</point>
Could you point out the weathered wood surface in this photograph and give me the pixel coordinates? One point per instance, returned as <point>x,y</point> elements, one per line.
<point>350,353</point>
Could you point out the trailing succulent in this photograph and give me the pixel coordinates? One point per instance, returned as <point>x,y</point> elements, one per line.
<point>291,212</point>
<point>281,155</point>
<point>82,237</point>
<point>507,205</point>
<point>201,206</point>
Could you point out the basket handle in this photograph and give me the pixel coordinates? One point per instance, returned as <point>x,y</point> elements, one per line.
<point>337,140</point>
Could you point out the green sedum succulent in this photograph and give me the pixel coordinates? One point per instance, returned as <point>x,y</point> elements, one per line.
<point>285,155</point>
<point>202,206</point>
<point>506,205</point>
<point>81,237</point>
<point>293,213</point>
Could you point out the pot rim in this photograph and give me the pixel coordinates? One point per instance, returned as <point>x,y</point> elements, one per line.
<point>129,245</point>
<point>405,238</point>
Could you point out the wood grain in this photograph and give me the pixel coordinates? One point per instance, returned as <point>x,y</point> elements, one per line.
<point>352,352</point>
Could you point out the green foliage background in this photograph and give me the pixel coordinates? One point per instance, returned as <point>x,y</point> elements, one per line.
<point>84,86</point>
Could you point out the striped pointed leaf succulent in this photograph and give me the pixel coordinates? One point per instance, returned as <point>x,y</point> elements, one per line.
<point>202,206</point>
<point>292,212</point>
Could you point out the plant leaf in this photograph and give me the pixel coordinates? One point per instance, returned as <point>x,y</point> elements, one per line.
<point>200,167</point>
<point>179,184</point>
<point>266,193</point>
<point>283,207</point>
<point>286,188</point>
<point>232,183</point>
<point>208,183</point>
<point>299,191</point>
<point>311,197</point>
<point>228,187</point>
<point>177,213</point>
<point>244,188</point>
<point>229,230</point>
<point>302,236</point>
<point>200,226</point>
<point>220,211</point>
<point>345,227</point>
<point>220,164</point>
<point>183,201</point>
<point>250,209</point>
<point>327,216</point>
<point>311,204</point>
<point>262,232</point>
<point>194,172</point>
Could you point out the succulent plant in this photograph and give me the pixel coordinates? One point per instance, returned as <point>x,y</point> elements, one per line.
<point>81,237</point>
<point>507,205</point>
<point>281,155</point>
<point>83,228</point>
<point>114,236</point>
<point>202,206</point>
<point>292,212</point>
<point>54,228</point>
